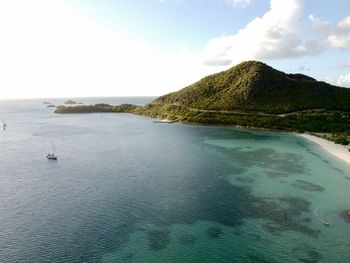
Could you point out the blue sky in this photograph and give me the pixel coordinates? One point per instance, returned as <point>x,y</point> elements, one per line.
<point>151,47</point>
<point>169,24</point>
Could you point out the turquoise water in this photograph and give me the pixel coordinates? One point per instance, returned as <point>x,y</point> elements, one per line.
<point>126,189</point>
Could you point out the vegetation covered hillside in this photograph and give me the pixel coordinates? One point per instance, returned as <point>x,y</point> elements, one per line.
<point>255,86</point>
<point>252,95</point>
<point>123,108</point>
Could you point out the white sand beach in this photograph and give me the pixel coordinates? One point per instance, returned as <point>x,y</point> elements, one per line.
<point>338,150</point>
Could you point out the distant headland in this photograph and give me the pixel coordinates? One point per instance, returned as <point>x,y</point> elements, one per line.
<point>101,107</point>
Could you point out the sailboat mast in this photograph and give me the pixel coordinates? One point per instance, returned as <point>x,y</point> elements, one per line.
<point>53,147</point>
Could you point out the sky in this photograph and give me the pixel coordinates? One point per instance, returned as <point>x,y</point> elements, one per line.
<point>88,48</point>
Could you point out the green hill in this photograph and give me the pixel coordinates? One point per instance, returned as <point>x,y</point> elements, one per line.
<point>255,95</point>
<point>254,86</point>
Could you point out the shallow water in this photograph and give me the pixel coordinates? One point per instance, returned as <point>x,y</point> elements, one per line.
<point>126,189</point>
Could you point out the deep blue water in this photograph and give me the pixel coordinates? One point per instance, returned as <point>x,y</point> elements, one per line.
<point>126,189</point>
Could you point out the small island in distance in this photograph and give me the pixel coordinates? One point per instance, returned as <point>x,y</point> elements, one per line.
<point>70,102</point>
<point>252,95</point>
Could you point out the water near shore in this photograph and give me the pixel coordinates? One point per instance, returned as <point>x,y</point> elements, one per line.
<point>126,189</point>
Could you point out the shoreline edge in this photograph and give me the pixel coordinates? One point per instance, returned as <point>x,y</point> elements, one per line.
<point>340,151</point>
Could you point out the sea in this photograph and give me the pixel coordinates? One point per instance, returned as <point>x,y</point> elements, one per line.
<point>126,189</point>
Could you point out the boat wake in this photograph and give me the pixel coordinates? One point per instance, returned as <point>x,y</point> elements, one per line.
<point>323,221</point>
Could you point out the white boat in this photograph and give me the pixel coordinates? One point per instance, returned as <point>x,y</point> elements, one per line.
<point>53,154</point>
<point>322,220</point>
<point>326,222</point>
<point>164,121</point>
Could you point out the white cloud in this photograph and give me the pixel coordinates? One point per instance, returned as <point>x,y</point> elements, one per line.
<point>319,26</point>
<point>274,35</point>
<point>278,34</point>
<point>343,80</point>
<point>341,41</point>
<point>47,50</point>
<point>344,24</point>
<point>340,38</point>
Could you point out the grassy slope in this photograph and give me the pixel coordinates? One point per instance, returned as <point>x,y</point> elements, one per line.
<point>254,86</point>
<point>320,121</point>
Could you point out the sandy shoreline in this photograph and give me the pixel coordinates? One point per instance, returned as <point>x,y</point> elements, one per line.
<point>338,150</point>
